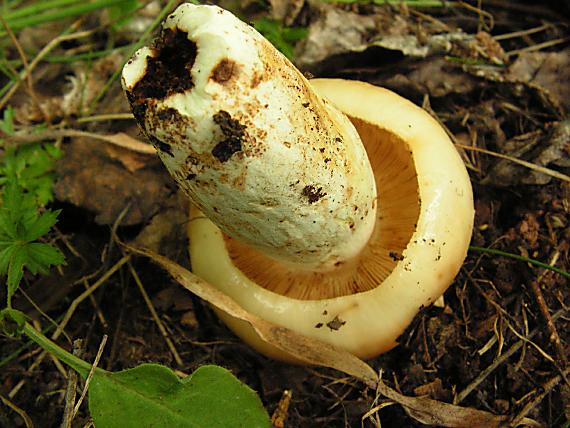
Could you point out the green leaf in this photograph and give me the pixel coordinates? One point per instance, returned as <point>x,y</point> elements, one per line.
<point>151,395</point>
<point>41,225</point>
<point>16,269</point>
<point>5,257</point>
<point>31,168</point>
<point>41,256</point>
<point>283,38</point>
<point>7,122</point>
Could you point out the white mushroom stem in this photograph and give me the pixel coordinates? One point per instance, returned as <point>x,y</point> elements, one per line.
<point>246,137</point>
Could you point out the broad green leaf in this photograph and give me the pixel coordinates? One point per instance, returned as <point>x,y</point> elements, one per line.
<point>151,395</point>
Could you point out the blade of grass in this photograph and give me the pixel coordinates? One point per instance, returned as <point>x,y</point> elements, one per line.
<point>79,9</point>
<point>543,265</point>
<point>38,7</point>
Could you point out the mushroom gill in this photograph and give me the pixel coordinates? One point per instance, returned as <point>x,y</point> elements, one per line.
<point>397,214</point>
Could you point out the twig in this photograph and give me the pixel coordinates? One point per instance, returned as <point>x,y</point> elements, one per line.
<point>71,390</point>
<point>95,305</point>
<point>538,46</point>
<point>544,390</point>
<point>280,414</point>
<point>105,117</point>
<point>155,316</point>
<point>529,165</point>
<point>554,337</point>
<point>19,411</point>
<point>522,33</point>
<point>120,139</point>
<point>486,372</point>
<point>90,376</point>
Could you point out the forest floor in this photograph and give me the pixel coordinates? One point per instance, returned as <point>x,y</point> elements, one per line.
<point>495,74</point>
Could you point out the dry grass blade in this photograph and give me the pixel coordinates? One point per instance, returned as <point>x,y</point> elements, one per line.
<point>310,351</point>
<point>119,139</point>
<point>526,164</point>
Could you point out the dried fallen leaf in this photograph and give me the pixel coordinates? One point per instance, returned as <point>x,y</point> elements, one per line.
<point>89,178</point>
<point>310,351</point>
<point>545,69</point>
<point>432,412</point>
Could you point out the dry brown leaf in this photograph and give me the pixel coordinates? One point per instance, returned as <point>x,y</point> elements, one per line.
<point>311,351</point>
<point>89,178</point>
<point>548,70</point>
<point>437,413</point>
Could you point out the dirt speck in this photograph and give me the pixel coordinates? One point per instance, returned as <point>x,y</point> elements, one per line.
<point>233,131</point>
<point>224,71</point>
<point>336,323</point>
<point>312,193</point>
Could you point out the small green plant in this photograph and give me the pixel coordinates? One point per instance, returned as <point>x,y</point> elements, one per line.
<point>282,37</point>
<point>21,226</point>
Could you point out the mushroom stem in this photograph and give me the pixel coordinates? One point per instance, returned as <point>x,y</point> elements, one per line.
<point>262,155</point>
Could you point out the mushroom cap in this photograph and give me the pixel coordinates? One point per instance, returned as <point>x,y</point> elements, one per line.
<point>366,323</point>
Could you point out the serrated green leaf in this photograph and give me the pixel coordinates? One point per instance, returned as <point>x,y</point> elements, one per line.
<point>15,269</point>
<point>5,257</point>
<point>151,395</point>
<point>8,228</point>
<point>41,225</point>
<point>41,257</point>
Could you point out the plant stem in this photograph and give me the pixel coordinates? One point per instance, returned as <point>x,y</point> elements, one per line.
<point>520,258</point>
<point>77,364</point>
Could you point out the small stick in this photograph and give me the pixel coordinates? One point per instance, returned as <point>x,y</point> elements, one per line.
<point>538,46</point>
<point>90,375</point>
<point>120,139</point>
<point>524,163</point>
<point>282,411</point>
<point>554,337</point>
<point>100,315</point>
<point>71,390</point>
<point>19,411</point>
<point>155,317</point>
<point>486,372</point>
<point>545,389</point>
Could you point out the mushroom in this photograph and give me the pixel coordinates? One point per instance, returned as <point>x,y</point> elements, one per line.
<point>331,207</point>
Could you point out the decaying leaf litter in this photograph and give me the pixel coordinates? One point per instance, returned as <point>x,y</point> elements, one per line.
<point>494,74</point>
